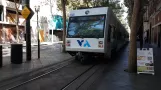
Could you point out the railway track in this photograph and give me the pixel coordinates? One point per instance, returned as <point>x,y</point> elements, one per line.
<point>33,76</point>
<point>81,77</point>
<point>85,79</point>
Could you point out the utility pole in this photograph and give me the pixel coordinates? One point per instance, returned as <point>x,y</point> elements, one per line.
<point>63,2</point>
<point>51,18</point>
<point>37,9</point>
<point>28,34</point>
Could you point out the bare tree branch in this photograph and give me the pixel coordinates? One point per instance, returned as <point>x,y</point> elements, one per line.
<point>17,19</point>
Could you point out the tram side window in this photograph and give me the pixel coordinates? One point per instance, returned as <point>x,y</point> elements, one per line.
<point>115,33</point>
<point>109,33</point>
<point>112,32</point>
<point>119,35</point>
<point>127,36</point>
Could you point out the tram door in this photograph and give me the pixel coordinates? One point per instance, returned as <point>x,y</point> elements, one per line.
<point>111,38</point>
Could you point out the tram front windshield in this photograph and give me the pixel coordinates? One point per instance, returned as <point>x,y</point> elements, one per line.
<point>86,27</point>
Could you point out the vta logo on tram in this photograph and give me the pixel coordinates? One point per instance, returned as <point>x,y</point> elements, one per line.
<point>85,43</point>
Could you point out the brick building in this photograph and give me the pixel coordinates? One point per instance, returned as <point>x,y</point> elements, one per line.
<point>152,22</point>
<point>7,20</point>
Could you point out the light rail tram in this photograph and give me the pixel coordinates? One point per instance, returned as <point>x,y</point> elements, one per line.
<point>94,32</point>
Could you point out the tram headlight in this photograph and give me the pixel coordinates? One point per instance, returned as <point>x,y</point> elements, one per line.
<point>68,43</point>
<point>100,44</point>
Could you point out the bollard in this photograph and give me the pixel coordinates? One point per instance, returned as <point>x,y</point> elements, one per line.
<point>1,58</point>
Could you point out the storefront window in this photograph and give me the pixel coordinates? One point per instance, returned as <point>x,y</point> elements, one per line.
<point>11,17</point>
<point>152,35</point>
<point>155,36</point>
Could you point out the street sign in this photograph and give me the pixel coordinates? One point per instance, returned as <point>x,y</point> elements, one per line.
<point>27,12</point>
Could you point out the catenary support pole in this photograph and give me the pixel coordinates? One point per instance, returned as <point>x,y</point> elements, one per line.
<point>28,35</point>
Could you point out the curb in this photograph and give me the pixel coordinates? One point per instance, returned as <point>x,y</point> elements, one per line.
<point>9,45</point>
<point>32,71</point>
<point>25,45</point>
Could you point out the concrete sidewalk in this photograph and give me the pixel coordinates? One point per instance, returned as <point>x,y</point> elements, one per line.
<point>7,47</point>
<point>48,57</point>
<point>44,43</point>
<point>115,78</point>
<point>33,44</point>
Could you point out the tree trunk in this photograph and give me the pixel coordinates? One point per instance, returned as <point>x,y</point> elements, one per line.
<point>132,63</point>
<point>17,28</point>
<point>63,2</point>
<point>17,20</point>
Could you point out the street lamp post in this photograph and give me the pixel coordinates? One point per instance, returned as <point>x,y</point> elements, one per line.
<point>37,9</point>
<point>51,18</point>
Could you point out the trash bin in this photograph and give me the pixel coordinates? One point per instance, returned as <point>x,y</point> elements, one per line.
<point>16,53</point>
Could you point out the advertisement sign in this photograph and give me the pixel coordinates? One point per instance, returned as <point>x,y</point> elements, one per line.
<point>41,34</point>
<point>145,62</point>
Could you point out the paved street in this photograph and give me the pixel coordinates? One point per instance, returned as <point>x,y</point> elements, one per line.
<point>95,31</point>
<point>50,54</point>
<point>115,78</point>
<point>55,80</point>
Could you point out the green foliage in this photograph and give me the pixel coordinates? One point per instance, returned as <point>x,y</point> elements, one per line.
<point>75,4</point>
<point>130,3</point>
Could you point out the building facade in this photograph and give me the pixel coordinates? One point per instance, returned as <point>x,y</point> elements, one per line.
<point>152,22</point>
<point>8,18</point>
<point>8,21</point>
<point>46,20</point>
